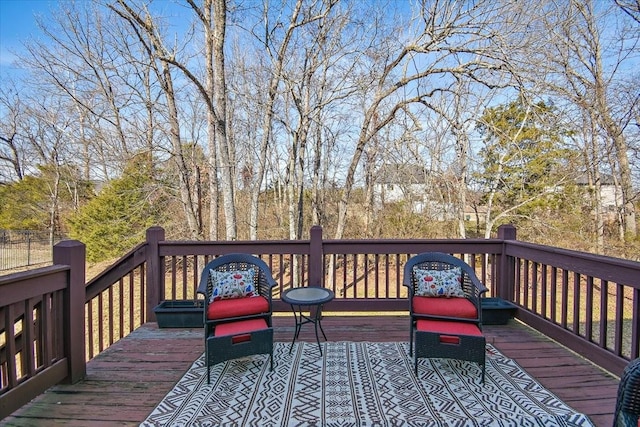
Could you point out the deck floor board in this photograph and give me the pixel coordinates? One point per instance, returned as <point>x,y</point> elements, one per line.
<point>125,383</point>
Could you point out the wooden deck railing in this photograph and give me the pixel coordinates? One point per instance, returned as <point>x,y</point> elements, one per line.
<point>366,275</point>
<point>51,322</point>
<point>587,302</point>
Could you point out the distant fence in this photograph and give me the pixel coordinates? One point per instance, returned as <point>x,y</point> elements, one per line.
<point>24,248</point>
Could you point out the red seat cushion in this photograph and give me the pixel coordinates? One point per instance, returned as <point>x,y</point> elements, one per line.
<point>450,328</point>
<point>240,327</point>
<point>226,308</point>
<point>452,307</point>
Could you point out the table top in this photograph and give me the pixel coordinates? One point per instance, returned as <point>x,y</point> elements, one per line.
<point>307,296</point>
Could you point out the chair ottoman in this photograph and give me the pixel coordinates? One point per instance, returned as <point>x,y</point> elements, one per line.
<point>450,340</point>
<point>239,339</point>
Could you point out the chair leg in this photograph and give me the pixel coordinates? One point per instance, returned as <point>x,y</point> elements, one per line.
<point>411,338</point>
<point>206,360</point>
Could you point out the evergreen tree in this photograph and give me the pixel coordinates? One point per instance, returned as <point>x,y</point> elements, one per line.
<point>526,164</point>
<point>24,204</point>
<point>116,219</point>
<point>40,202</point>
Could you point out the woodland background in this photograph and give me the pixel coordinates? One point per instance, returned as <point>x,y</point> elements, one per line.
<point>238,119</point>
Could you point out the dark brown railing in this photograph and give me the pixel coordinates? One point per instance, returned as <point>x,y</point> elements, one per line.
<point>587,302</point>
<point>51,323</point>
<point>366,275</point>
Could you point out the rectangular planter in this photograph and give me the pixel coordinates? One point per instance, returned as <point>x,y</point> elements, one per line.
<point>497,311</point>
<point>180,314</point>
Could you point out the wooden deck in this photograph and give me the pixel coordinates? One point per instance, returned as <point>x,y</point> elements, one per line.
<point>125,383</point>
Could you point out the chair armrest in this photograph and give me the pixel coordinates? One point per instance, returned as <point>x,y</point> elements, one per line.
<point>204,278</point>
<point>478,284</point>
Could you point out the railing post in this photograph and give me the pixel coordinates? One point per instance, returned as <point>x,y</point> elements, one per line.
<point>316,257</point>
<point>155,276</point>
<point>506,279</point>
<point>72,253</point>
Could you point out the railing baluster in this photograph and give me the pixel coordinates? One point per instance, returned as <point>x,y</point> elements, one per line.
<point>90,330</point>
<point>553,315</point>
<point>345,286</point>
<point>544,291</point>
<point>111,315</point>
<point>604,313</point>
<point>588,327</point>
<point>121,308</point>
<point>365,275</point>
<point>565,298</point>
<point>635,325</point>
<point>100,324</point>
<point>196,276</point>
<point>619,319</point>
<point>29,339</point>
<point>131,305</point>
<point>173,285</point>
<point>576,303</point>
<point>10,346</point>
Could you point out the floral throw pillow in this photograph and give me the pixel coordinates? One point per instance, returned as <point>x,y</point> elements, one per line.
<point>232,284</point>
<point>439,283</point>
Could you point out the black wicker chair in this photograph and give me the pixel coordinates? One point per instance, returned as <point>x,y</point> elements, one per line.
<point>445,312</point>
<point>466,309</point>
<point>628,400</point>
<point>237,316</point>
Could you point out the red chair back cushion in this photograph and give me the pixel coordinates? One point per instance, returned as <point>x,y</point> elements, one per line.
<point>247,306</point>
<point>451,307</point>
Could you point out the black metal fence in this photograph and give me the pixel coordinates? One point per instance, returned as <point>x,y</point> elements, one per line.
<point>24,248</point>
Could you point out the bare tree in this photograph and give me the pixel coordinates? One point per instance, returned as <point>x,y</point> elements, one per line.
<point>213,16</point>
<point>44,131</point>
<point>11,152</point>
<point>450,40</point>
<point>631,8</point>
<point>274,38</point>
<point>156,54</point>
<point>587,47</point>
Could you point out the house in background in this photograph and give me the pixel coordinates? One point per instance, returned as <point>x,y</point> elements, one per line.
<point>611,198</point>
<point>475,214</point>
<point>411,184</point>
<point>395,183</point>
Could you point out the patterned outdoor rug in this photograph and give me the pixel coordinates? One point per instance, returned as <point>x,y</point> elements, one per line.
<point>360,384</point>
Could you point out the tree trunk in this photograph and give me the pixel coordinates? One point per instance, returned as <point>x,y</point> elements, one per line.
<point>225,153</point>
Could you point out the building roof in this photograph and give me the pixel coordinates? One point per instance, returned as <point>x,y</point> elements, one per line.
<point>396,173</point>
<point>605,179</point>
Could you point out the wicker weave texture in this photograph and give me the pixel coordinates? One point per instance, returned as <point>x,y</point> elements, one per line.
<point>628,399</point>
<point>221,349</point>
<point>261,279</point>
<point>471,285</point>
<point>469,348</point>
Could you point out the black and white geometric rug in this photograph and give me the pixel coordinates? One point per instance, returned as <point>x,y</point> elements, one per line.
<point>360,384</point>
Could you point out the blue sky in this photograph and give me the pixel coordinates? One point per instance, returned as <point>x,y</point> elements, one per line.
<point>17,22</point>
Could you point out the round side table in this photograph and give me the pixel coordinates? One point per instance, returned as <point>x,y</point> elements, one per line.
<point>307,297</point>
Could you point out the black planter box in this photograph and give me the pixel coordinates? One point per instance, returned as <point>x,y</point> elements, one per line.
<point>496,311</point>
<point>180,314</point>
